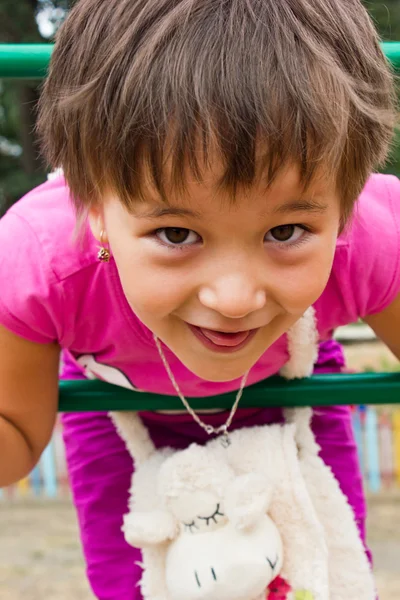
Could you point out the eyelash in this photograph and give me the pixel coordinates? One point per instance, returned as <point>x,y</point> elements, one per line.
<point>217,513</point>
<point>293,245</point>
<point>212,517</point>
<point>282,245</point>
<point>170,246</point>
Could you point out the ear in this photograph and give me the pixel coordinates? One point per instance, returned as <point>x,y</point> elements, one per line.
<point>247,498</point>
<point>96,223</point>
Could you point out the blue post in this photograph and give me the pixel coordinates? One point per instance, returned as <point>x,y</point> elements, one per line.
<point>48,466</point>
<point>372,443</point>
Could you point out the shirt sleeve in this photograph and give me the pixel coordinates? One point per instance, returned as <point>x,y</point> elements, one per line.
<point>374,247</point>
<point>31,303</point>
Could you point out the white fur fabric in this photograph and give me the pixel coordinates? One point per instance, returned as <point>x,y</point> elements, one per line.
<point>322,551</point>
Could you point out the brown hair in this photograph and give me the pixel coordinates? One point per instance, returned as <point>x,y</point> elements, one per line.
<point>134,82</point>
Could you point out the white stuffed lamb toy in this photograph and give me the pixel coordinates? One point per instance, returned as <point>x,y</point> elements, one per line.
<point>263,518</point>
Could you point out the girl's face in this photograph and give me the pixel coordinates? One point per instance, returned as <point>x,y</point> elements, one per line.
<point>219,282</point>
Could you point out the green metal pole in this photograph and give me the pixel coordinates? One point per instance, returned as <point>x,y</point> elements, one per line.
<point>392,52</point>
<point>319,390</point>
<point>30,61</point>
<point>24,61</point>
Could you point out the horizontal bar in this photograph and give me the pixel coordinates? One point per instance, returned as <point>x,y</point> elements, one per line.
<point>392,53</point>
<point>30,61</point>
<point>24,61</point>
<point>319,390</point>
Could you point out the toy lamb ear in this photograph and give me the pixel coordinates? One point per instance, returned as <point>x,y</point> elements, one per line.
<point>247,498</point>
<point>149,528</point>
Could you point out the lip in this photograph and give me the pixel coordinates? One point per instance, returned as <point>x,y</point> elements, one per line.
<point>226,346</point>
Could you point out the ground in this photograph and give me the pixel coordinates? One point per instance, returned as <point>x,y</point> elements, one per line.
<point>40,556</point>
<point>384,541</point>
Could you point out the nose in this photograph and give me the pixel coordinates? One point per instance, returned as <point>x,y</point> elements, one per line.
<point>234,296</point>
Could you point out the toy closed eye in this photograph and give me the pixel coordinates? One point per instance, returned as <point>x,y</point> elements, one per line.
<point>212,517</point>
<point>190,526</point>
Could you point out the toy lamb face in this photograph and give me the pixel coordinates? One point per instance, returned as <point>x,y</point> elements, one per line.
<point>227,547</point>
<point>213,530</point>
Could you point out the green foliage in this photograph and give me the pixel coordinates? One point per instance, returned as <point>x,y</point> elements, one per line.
<point>386,16</point>
<point>393,164</point>
<point>21,172</point>
<point>14,182</point>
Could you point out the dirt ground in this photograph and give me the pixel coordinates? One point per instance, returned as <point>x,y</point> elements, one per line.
<point>40,555</point>
<point>384,541</point>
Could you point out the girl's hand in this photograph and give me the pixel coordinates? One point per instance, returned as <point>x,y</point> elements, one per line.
<point>28,403</point>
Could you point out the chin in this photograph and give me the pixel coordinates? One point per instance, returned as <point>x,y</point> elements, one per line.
<point>216,373</point>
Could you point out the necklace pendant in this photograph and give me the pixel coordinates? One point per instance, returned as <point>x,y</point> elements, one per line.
<point>225,440</point>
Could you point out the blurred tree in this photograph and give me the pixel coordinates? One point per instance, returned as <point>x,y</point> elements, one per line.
<point>20,165</point>
<point>386,16</point>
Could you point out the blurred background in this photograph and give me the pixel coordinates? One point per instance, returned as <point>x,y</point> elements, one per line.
<point>40,555</point>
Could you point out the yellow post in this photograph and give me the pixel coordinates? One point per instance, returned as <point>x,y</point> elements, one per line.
<point>23,486</point>
<point>396,444</point>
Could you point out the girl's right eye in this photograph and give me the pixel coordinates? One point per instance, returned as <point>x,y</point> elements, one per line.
<point>177,236</point>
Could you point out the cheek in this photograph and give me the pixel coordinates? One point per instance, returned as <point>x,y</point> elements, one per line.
<point>151,290</point>
<point>300,285</point>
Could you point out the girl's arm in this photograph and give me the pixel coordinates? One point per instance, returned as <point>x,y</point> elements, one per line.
<point>28,403</point>
<point>386,325</point>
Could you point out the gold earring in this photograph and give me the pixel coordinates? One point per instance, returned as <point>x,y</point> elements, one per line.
<point>103,254</point>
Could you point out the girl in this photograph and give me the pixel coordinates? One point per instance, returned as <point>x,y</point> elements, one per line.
<point>220,154</point>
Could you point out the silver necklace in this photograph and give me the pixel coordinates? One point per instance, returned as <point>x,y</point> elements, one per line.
<point>209,429</point>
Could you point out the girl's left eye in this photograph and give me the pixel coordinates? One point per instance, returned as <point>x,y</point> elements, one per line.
<point>177,236</point>
<point>282,234</point>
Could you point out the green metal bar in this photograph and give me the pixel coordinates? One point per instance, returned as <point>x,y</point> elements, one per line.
<point>24,61</point>
<point>319,390</point>
<point>392,52</point>
<point>30,61</point>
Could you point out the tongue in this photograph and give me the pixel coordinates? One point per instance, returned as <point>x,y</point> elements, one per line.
<point>224,339</point>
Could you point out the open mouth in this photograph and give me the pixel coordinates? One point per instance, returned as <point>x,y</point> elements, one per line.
<point>221,341</point>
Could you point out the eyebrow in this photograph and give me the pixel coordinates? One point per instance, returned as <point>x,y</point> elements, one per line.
<point>312,206</point>
<point>162,211</point>
<point>156,212</point>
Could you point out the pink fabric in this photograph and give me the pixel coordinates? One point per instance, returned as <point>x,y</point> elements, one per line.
<point>53,289</point>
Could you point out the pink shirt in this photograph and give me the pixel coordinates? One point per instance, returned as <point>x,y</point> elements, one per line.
<point>54,289</point>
